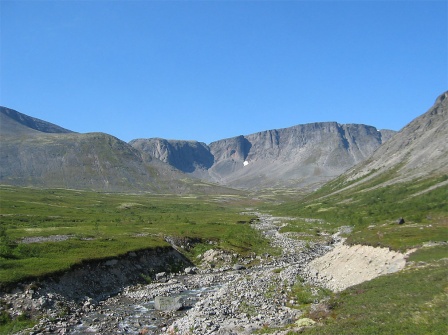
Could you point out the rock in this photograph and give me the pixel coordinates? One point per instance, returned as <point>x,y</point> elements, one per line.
<point>111,262</point>
<point>239,267</point>
<point>190,271</point>
<point>209,255</point>
<point>161,276</point>
<point>280,150</point>
<point>167,303</point>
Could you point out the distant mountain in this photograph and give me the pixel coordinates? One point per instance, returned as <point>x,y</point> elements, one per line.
<point>187,156</point>
<point>13,123</point>
<point>37,153</point>
<point>419,150</point>
<point>300,156</point>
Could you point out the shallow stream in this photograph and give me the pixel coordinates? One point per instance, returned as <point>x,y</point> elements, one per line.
<point>126,316</point>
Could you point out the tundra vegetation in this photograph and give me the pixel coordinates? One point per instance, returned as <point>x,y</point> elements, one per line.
<point>90,225</point>
<point>412,301</point>
<point>99,225</point>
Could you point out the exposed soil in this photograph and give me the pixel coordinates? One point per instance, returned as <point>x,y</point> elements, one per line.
<point>346,266</point>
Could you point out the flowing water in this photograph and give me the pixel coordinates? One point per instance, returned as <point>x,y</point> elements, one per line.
<point>130,317</point>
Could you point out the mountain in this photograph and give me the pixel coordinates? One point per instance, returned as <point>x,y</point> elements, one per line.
<point>300,156</point>
<point>186,156</point>
<point>14,123</point>
<point>419,150</point>
<point>37,153</point>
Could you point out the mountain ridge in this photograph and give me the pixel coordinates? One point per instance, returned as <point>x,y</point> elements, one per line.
<point>40,154</point>
<point>303,156</point>
<point>287,152</point>
<point>13,122</point>
<point>421,144</point>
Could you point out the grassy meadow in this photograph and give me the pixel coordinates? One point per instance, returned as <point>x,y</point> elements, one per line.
<point>412,301</point>
<point>372,213</point>
<point>99,225</point>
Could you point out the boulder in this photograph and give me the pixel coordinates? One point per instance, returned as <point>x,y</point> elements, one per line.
<point>400,221</point>
<point>239,267</point>
<point>190,271</point>
<point>168,303</point>
<point>161,277</point>
<point>214,255</point>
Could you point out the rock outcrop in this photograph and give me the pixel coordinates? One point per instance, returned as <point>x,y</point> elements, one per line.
<point>302,155</point>
<point>186,156</point>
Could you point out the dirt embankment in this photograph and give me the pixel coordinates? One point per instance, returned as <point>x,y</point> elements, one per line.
<point>95,280</point>
<point>346,266</point>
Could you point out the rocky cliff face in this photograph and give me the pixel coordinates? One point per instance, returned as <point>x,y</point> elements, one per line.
<point>302,155</point>
<point>187,156</point>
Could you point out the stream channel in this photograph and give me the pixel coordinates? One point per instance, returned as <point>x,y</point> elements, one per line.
<point>128,316</point>
<point>226,300</point>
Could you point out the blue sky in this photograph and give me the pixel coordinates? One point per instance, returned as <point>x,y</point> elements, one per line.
<point>208,70</point>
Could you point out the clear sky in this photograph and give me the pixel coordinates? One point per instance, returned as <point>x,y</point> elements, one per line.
<point>208,70</point>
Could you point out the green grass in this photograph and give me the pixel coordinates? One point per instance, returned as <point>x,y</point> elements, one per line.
<point>411,302</point>
<point>11,326</point>
<point>428,254</point>
<point>310,230</point>
<point>373,213</point>
<point>107,225</point>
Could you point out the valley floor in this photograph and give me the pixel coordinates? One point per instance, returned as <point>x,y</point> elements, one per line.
<point>273,295</point>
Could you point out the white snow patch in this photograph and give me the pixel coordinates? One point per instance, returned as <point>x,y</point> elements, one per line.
<point>245,163</point>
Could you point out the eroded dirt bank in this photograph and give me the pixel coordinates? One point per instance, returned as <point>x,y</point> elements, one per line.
<point>91,281</point>
<point>346,266</point>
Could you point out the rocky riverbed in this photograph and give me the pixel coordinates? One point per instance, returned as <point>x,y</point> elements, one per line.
<point>230,299</point>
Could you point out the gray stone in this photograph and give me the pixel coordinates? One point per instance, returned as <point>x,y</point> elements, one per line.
<point>168,303</point>
<point>239,267</point>
<point>161,276</point>
<point>190,271</point>
<point>289,151</point>
<point>111,262</point>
